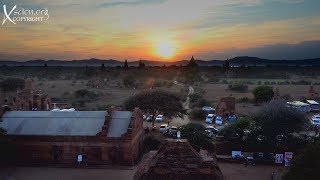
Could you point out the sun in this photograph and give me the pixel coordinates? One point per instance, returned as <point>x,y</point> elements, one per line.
<point>164,50</point>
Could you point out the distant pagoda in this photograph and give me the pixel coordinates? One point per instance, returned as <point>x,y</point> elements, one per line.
<point>192,63</point>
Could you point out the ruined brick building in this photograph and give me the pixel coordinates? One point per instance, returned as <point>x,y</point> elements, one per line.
<point>58,137</point>
<point>177,160</point>
<point>312,93</point>
<point>30,98</point>
<point>226,106</point>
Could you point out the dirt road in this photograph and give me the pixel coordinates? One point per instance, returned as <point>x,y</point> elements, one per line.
<point>230,171</point>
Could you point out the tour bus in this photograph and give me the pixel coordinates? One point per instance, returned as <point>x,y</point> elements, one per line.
<point>301,106</point>
<point>314,105</point>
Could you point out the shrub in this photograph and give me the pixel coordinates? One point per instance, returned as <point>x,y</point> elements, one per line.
<point>201,102</point>
<point>238,87</point>
<point>263,93</point>
<point>198,114</point>
<point>84,93</point>
<point>224,81</point>
<point>197,137</point>
<point>243,100</point>
<point>236,128</point>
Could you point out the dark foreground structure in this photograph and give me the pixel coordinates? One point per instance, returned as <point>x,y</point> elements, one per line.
<point>57,137</point>
<point>177,160</point>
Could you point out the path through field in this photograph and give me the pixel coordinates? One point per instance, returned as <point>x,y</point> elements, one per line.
<point>186,104</point>
<point>178,121</point>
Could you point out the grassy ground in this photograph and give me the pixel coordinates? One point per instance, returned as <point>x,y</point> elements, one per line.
<point>111,95</point>
<point>58,82</point>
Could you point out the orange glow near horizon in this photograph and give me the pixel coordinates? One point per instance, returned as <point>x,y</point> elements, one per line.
<point>164,50</point>
<point>157,30</point>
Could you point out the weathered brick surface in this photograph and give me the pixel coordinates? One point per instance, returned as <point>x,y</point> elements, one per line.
<point>175,160</point>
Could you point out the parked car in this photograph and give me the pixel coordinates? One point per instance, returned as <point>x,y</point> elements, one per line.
<point>232,118</point>
<point>164,128</point>
<point>218,120</point>
<point>208,109</point>
<point>315,120</point>
<point>149,118</point>
<point>173,129</point>
<point>210,118</point>
<point>211,131</point>
<point>159,118</point>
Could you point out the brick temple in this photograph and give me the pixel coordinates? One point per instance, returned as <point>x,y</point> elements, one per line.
<point>57,137</point>
<point>30,98</point>
<point>177,160</point>
<point>226,106</point>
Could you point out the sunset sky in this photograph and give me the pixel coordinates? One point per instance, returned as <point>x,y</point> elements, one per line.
<point>164,30</point>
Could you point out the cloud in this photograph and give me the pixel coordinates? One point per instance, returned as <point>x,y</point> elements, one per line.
<point>130,28</point>
<point>130,3</point>
<point>302,50</point>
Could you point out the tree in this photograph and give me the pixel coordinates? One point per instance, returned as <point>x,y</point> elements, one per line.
<point>125,66</point>
<point>141,64</point>
<point>240,87</point>
<point>12,84</point>
<point>226,64</point>
<point>155,102</point>
<point>307,164</point>
<point>263,93</point>
<point>198,114</point>
<point>237,129</point>
<point>86,95</point>
<point>276,119</point>
<point>102,68</point>
<point>196,135</point>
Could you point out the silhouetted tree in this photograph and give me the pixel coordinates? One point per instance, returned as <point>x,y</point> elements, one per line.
<point>156,102</point>
<point>197,136</point>
<point>307,164</point>
<point>141,64</point>
<point>275,118</point>
<point>226,64</point>
<point>102,67</point>
<point>125,66</point>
